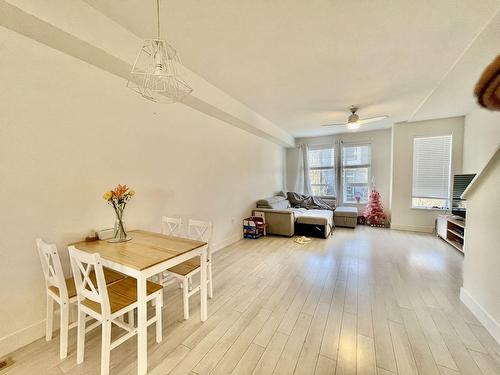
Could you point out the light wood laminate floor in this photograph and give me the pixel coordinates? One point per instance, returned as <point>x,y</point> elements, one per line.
<point>365,301</point>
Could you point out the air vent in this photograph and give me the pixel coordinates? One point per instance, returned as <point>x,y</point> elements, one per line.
<point>4,363</point>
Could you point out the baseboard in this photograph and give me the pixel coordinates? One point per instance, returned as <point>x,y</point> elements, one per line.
<point>21,338</point>
<point>491,325</point>
<point>227,241</point>
<point>413,228</point>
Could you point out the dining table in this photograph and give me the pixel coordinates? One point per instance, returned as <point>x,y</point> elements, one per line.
<point>147,254</point>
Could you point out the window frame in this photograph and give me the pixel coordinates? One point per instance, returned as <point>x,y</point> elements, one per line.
<point>448,199</point>
<point>343,167</point>
<point>333,167</point>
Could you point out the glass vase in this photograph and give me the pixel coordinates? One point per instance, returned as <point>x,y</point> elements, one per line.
<point>120,231</point>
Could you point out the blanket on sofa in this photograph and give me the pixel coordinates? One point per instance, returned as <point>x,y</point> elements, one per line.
<point>307,201</point>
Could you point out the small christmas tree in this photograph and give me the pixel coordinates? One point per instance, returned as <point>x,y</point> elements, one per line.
<point>374,212</point>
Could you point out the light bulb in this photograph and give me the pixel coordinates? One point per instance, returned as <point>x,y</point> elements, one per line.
<point>353,126</point>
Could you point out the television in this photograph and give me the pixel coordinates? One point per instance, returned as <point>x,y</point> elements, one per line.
<point>460,183</point>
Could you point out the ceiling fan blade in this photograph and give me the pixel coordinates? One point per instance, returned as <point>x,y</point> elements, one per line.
<point>371,119</point>
<point>338,123</point>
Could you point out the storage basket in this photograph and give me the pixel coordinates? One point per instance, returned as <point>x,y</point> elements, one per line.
<point>253,227</point>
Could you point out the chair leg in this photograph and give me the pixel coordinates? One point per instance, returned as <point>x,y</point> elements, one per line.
<point>158,306</point>
<point>63,350</point>
<point>131,317</point>
<point>80,342</point>
<point>49,323</point>
<point>209,276</point>
<point>105,347</point>
<point>73,312</point>
<point>185,297</point>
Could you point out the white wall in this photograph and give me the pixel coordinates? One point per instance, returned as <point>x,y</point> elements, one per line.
<point>481,138</point>
<point>381,159</point>
<point>404,217</point>
<point>69,131</point>
<point>481,274</point>
<point>481,292</point>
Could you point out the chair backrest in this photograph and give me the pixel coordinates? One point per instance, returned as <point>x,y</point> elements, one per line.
<point>261,215</point>
<point>51,265</point>
<point>171,226</point>
<point>82,264</point>
<point>200,230</point>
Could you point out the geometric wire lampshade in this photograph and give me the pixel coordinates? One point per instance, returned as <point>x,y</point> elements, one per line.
<point>155,74</point>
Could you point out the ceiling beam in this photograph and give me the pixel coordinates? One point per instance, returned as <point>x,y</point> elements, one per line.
<point>78,30</point>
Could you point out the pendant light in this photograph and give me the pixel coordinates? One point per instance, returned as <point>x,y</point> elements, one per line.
<point>155,74</point>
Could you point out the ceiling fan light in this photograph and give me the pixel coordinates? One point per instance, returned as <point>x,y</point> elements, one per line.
<point>353,126</point>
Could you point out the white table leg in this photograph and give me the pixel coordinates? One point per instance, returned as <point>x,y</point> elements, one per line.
<point>203,284</point>
<point>142,329</point>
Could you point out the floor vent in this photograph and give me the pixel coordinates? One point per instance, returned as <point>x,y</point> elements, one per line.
<point>4,363</point>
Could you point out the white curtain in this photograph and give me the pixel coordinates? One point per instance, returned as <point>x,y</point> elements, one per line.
<point>303,181</point>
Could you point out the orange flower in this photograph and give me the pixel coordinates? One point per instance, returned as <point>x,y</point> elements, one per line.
<point>119,191</point>
<point>120,194</point>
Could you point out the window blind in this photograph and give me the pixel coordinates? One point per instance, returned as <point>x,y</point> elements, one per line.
<point>321,157</point>
<point>431,167</point>
<point>321,160</point>
<point>356,160</point>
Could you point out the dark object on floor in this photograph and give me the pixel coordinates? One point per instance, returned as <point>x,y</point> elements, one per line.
<point>487,89</point>
<point>310,230</point>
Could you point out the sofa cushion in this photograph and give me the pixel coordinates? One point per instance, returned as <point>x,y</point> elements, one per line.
<point>314,217</point>
<point>346,211</point>
<point>276,202</point>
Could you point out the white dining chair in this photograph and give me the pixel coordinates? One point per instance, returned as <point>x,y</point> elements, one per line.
<point>201,231</point>
<point>107,304</point>
<point>61,290</point>
<point>171,226</point>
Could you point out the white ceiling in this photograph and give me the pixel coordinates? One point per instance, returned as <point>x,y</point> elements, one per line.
<point>303,63</point>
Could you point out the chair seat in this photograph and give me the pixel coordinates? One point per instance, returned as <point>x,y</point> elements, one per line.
<point>117,302</point>
<point>128,288</point>
<point>186,267</point>
<point>109,275</point>
<point>122,294</point>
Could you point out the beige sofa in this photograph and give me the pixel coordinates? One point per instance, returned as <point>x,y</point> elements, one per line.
<point>281,219</point>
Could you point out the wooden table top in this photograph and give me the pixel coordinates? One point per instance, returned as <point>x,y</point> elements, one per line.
<point>144,250</point>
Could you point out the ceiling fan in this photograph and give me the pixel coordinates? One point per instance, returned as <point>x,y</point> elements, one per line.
<point>354,122</point>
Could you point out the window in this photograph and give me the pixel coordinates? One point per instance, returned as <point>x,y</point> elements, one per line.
<point>431,172</point>
<point>356,165</point>
<point>322,169</point>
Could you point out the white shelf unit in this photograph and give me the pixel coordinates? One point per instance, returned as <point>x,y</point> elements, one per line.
<point>452,231</point>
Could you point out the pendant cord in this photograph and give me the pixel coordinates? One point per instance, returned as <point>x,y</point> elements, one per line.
<point>158,18</point>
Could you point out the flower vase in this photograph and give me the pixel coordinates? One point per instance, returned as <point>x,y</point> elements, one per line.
<point>120,232</point>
